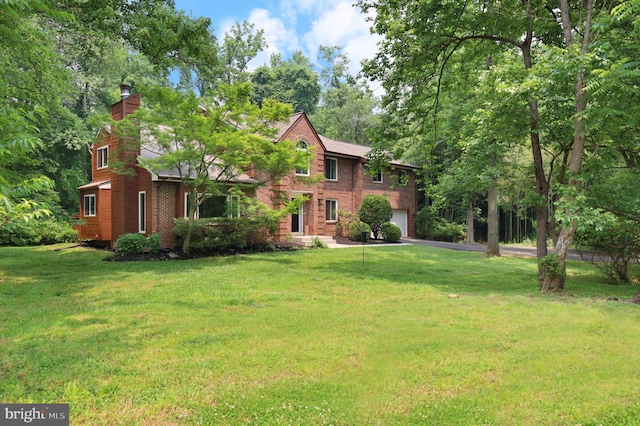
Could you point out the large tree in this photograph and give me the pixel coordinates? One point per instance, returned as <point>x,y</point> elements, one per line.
<point>290,81</point>
<point>423,39</point>
<point>346,109</point>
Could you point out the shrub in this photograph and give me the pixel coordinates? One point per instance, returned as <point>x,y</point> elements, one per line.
<point>448,231</point>
<point>391,233</point>
<point>37,232</point>
<point>228,234</point>
<point>134,244</point>
<point>345,219</point>
<point>318,243</point>
<point>424,223</point>
<point>356,228</point>
<point>611,247</point>
<point>375,210</point>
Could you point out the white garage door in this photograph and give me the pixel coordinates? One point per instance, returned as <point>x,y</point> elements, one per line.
<point>399,219</point>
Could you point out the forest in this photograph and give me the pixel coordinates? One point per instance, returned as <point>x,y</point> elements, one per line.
<point>524,115</point>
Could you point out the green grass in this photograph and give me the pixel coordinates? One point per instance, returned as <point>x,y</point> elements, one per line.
<point>416,335</point>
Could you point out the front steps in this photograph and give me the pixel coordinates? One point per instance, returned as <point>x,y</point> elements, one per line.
<point>307,240</point>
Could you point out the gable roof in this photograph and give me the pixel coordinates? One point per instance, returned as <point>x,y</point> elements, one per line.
<point>331,146</point>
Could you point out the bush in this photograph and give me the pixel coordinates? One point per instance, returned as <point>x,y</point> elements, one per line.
<point>424,223</point>
<point>375,210</point>
<point>232,234</point>
<point>611,247</point>
<point>391,232</point>
<point>431,227</point>
<point>135,244</point>
<point>345,219</point>
<point>448,231</point>
<point>37,232</point>
<point>356,228</point>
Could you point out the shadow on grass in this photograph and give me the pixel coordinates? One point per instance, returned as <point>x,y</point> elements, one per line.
<point>467,272</point>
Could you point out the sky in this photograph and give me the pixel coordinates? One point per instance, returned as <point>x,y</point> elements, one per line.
<point>291,25</point>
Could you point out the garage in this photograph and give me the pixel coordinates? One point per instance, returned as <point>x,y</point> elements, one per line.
<point>400,219</point>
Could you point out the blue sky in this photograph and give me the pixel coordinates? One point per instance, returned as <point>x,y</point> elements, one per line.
<point>293,25</point>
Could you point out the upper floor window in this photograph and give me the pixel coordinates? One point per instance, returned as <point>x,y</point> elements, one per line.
<point>403,177</point>
<point>302,171</point>
<point>102,159</point>
<point>331,169</point>
<point>89,205</point>
<point>377,178</point>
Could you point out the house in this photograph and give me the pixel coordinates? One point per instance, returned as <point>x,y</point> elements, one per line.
<point>147,202</point>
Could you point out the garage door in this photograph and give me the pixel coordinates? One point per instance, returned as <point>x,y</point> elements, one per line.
<point>399,219</point>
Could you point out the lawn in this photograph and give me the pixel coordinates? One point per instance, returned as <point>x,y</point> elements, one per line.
<point>415,335</point>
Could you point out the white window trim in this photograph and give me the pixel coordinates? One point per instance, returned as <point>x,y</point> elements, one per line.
<point>142,212</point>
<point>102,160</point>
<point>186,211</point>
<point>328,200</point>
<point>87,211</point>
<point>325,169</point>
<point>230,201</point>
<point>303,148</point>
<point>381,178</point>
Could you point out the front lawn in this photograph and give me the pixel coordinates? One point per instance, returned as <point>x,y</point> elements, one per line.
<point>416,335</point>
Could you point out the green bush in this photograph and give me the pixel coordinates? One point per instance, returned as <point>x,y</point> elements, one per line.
<point>375,210</point>
<point>345,219</point>
<point>37,232</point>
<point>391,233</point>
<point>424,223</point>
<point>431,227</point>
<point>134,244</point>
<point>356,228</point>
<point>221,234</point>
<point>448,231</point>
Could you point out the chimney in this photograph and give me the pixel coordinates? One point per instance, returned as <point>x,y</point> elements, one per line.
<point>125,91</point>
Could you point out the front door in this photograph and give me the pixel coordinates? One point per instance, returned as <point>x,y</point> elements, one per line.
<point>297,222</point>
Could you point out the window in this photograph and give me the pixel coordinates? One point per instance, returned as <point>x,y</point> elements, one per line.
<point>331,210</point>
<point>142,212</point>
<point>302,171</point>
<point>331,169</point>
<point>377,178</point>
<point>90,205</point>
<point>215,206</point>
<point>102,160</point>
<point>233,206</point>
<point>403,177</point>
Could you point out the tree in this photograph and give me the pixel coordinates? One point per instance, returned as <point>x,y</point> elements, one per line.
<point>292,81</point>
<point>559,36</point>
<point>346,110</point>
<point>375,210</point>
<point>212,140</point>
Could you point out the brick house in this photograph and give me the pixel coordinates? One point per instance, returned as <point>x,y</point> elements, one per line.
<point>146,201</point>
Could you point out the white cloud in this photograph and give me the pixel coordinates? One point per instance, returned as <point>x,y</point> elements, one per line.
<point>340,23</point>
<point>280,37</point>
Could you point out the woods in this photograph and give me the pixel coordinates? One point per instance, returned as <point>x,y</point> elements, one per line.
<point>546,60</point>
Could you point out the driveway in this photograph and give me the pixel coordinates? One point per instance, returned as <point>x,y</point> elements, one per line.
<point>506,250</point>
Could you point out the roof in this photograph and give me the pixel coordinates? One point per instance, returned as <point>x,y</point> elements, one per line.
<point>104,184</point>
<point>337,147</point>
<point>174,173</point>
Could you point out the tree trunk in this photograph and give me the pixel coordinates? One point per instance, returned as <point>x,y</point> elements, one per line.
<point>565,238</point>
<point>493,237</point>
<point>470,239</point>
